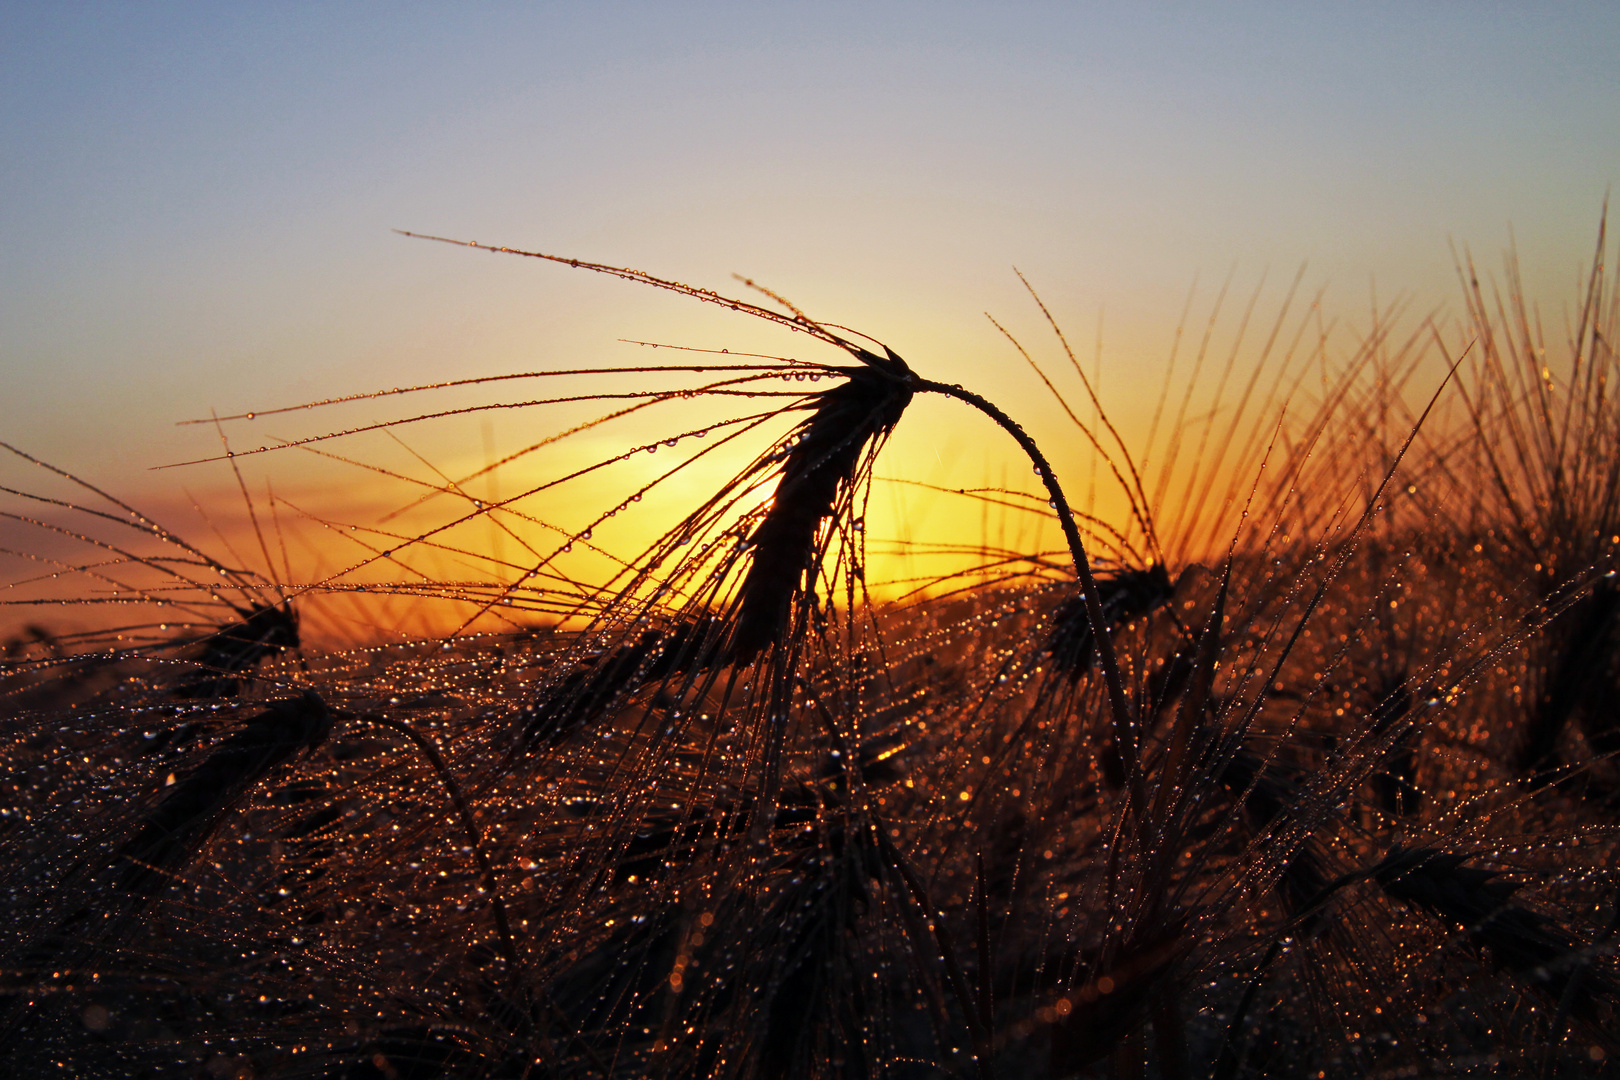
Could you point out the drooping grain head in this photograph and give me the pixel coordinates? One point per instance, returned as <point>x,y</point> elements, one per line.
<point>232,652</point>
<point>820,466</point>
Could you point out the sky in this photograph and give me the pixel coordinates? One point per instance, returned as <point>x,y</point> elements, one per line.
<point>197,200</point>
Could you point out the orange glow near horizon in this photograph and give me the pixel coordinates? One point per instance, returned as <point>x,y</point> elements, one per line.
<point>199,213</point>
<point>377,531</point>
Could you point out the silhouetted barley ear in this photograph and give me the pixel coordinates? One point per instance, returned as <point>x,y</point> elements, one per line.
<point>1546,443</point>
<point>1580,682</point>
<point>233,651</point>
<point>182,822</point>
<point>822,463</point>
<point>1531,946</point>
<point>871,401</point>
<point>1267,796</point>
<point>1125,595</point>
<point>593,688</point>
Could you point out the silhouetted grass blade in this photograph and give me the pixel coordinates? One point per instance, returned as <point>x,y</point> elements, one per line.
<point>181,823</point>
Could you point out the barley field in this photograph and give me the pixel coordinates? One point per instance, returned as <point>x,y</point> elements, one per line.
<point>1287,751</point>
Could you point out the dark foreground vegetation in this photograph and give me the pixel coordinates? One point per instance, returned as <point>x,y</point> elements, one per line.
<point>1305,767</point>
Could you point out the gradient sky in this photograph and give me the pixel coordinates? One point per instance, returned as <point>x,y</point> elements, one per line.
<point>196,200</point>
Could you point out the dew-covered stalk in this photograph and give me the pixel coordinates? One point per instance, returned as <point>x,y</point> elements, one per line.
<point>1124,728</point>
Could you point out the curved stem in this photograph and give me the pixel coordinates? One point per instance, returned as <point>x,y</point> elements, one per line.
<point>1124,727</point>
<point>503,923</point>
<point>475,839</point>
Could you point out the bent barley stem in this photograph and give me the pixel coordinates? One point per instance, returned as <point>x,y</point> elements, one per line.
<point>1125,732</point>
<point>1124,728</point>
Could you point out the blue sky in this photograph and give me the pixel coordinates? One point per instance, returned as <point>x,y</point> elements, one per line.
<point>196,200</point>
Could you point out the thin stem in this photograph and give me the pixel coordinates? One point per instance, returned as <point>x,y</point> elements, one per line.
<point>503,924</point>
<point>978,1026</point>
<point>1124,727</point>
<point>468,823</point>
